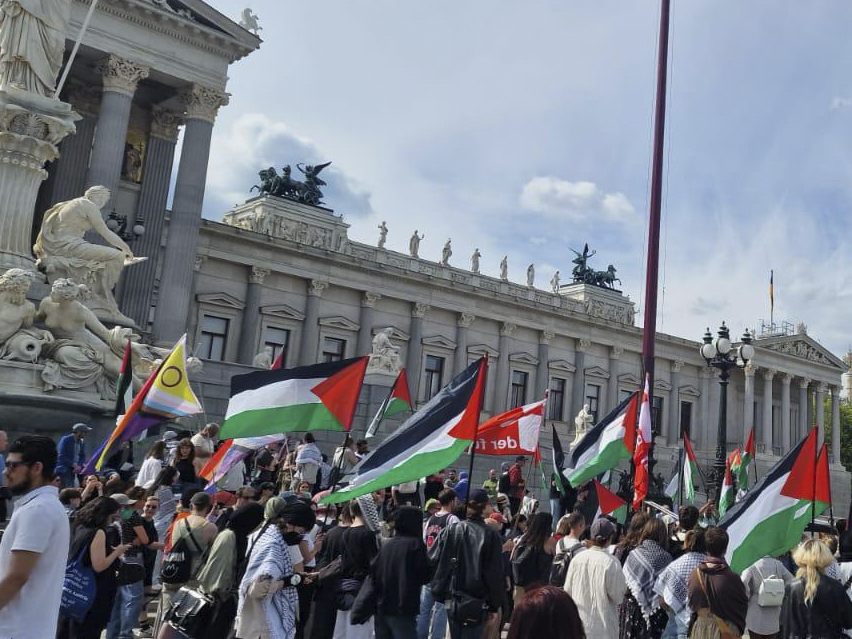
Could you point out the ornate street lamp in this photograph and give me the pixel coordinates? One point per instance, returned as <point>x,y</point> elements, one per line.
<point>117,223</point>
<point>719,353</point>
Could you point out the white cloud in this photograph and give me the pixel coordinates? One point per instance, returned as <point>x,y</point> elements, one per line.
<point>576,201</point>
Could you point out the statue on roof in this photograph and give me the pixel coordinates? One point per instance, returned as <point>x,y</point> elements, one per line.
<point>249,21</point>
<point>307,192</point>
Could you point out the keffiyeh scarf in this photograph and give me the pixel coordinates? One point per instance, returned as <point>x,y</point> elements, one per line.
<point>673,583</point>
<point>641,569</point>
<point>308,454</point>
<point>269,558</point>
<point>370,512</point>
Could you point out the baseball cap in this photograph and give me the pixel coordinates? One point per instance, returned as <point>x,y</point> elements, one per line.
<point>431,503</point>
<point>122,499</point>
<point>80,427</point>
<point>169,435</point>
<point>602,528</point>
<point>478,496</point>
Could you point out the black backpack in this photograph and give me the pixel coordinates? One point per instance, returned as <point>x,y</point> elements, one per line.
<point>177,563</point>
<point>559,569</point>
<point>504,485</point>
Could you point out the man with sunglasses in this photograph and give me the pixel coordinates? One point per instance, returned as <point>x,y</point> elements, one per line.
<point>34,549</point>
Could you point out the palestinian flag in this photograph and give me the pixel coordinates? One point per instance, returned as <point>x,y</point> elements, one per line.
<point>644,439</point>
<point>745,461</point>
<point>558,464</point>
<point>610,504</point>
<point>690,470</point>
<point>608,442</point>
<point>513,433</point>
<point>771,517</point>
<point>822,485</point>
<point>124,383</point>
<point>318,397</point>
<point>726,495</point>
<point>398,401</point>
<point>431,439</point>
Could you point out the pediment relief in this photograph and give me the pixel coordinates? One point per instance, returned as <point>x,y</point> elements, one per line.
<point>597,371</point>
<point>523,358</point>
<point>689,390</point>
<point>482,349</point>
<point>629,379</point>
<point>221,299</point>
<point>562,365</point>
<point>802,347</point>
<point>339,322</point>
<point>661,384</point>
<point>439,341</point>
<point>282,311</point>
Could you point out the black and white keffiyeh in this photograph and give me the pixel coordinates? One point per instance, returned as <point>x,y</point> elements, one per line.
<point>641,570</point>
<point>673,583</point>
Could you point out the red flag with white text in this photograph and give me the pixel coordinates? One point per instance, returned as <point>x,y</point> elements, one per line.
<point>514,432</point>
<point>643,444</point>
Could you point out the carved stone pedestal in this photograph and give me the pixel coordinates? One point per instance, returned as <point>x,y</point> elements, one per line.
<point>601,303</point>
<point>31,127</point>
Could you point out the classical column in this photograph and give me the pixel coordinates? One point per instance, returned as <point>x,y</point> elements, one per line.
<point>120,78</point>
<point>786,378</point>
<point>748,399</point>
<point>542,373</point>
<point>365,321</point>
<point>251,316</point>
<point>137,285</point>
<point>502,379</point>
<point>578,387</point>
<point>615,353</point>
<point>310,328</point>
<point>69,171</point>
<point>202,104</point>
<point>415,347</point>
<point>768,374</point>
<point>704,430</point>
<point>819,409</point>
<point>835,424</point>
<point>463,323</point>
<point>803,407</point>
<point>673,413</point>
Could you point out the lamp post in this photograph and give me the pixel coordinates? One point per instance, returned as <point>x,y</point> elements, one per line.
<point>117,223</point>
<point>719,353</point>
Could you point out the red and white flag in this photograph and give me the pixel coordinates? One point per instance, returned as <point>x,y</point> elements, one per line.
<point>514,432</point>
<point>643,444</point>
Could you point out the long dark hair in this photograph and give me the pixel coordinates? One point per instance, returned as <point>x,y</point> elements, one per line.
<point>538,530</point>
<point>185,442</point>
<point>165,478</point>
<point>157,451</point>
<point>634,531</point>
<point>547,612</point>
<point>96,513</point>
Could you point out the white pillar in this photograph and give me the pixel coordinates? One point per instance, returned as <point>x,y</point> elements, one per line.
<point>835,424</point>
<point>672,427</point>
<point>463,323</point>
<point>365,323</point>
<point>578,386</point>
<point>803,408</point>
<point>705,428</point>
<point>615,353</point>
<point>819,408</point>
<point>502,399</point>
<point>748,399</point>
<point>310,328</point>
<point>542,374</point>
<point>415,347</point>
<point>786,433</point>
<point>248,343</point>
<point>768,441</point>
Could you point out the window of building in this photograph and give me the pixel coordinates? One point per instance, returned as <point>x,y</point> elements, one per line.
<point>686,419</point>
<point>433,376</point>
<point>278,339</point>
<point>657,415</point>
<point>624,394</point>
<point>593,398</point>
<point>519,388</point>
<point>556,399</point>
<point>214,336</point>
<point>333,349</point>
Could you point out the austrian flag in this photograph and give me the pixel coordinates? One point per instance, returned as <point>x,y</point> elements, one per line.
<point>512,433</point>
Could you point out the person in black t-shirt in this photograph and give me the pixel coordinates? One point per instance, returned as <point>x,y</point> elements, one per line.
<point>360,546</point>
<point>324,613</point>
<point>433,485</point>
<point>131,571</point>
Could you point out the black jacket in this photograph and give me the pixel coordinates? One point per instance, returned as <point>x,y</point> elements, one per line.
<point>824,618</point>
<point>467,558</point>
<point>399,572</point>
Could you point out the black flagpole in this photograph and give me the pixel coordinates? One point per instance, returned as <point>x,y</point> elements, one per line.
<point>484,381</point>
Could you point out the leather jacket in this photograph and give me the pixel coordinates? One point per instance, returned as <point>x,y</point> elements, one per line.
<point>824,618</point>
<point>467,557</point>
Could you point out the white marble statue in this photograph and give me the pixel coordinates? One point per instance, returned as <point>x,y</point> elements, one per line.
<point>414,244</point>
<point>18,340</point>
<point>64,253</point>
<point>447,252</point>
<point>383,234</point>
<point>249,21</point>
<point>385,356</point>
<point>554,282</point>
<point>32,43</point>
<point>474,261</point>
<point>504,268</point>
<point>531,275</point>
<point>582,422</point>
<point>84,351</point>
<point>264,358</point>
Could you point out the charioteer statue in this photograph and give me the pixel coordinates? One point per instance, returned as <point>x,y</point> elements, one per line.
<point>306,192</point>
<point>583,274</point>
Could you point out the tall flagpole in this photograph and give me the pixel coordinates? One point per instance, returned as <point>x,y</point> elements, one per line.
<point>476,433</point>
<point>649,329</point>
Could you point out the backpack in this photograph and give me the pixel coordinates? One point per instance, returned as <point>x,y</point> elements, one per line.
<point>504,485</point>
<point>559,569</point>
<point>177,563</point>
<point>79,588</point>
<point>771,591</point>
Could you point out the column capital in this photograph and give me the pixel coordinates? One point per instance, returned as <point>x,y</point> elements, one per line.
<point>121,75</point>
<point>369,299</point>
<point>258,274</point>
<point>316,287</point>
<point>786,378</point>
<point>465,320</point>
<point>769,373</point>
<point>583,345</point>
<point>507,328</point>
<point>616,351</point>
<point>804,382</point>
<point>546,336</point>
<point>822,388</point>
<point>677,366</point>
<point>165,123</point>
<point>419,309</point>
<point>750,369</point>
<point>203,103</point>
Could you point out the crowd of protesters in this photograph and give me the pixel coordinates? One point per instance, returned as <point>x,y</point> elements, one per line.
<point>154,552</point>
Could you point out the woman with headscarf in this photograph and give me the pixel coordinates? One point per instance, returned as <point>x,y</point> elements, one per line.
<point>398,590</point>
<point>641,614</point>
<point>359,548</point>
<point>221,574</point>
<point>268,604</point>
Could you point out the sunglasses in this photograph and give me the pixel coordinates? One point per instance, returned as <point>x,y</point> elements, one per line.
<point>151,506</point>
<point>12,465</point>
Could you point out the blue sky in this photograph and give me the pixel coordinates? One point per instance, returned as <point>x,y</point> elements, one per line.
<point>525,129</point>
